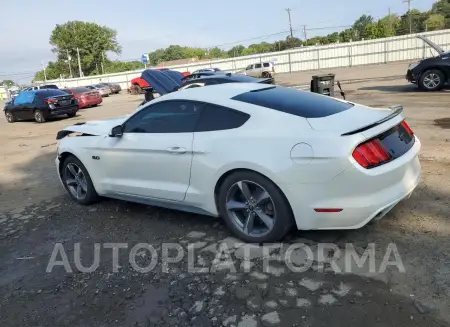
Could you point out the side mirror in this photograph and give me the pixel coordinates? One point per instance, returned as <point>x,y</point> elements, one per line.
<point>117,131</point>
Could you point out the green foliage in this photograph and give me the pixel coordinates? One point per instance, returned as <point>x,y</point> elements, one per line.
<point>7,83</point>
<point>94,41</point>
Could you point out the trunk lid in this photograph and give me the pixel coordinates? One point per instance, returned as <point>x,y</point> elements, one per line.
<point>60,101</point>
<point>354,120</point>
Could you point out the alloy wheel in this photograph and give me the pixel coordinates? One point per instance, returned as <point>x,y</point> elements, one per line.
<point>431,81</point>
<point>251,208</point>
<point>38,116</point>
<point>76,181</point>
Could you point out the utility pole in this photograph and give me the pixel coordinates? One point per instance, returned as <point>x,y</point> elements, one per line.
<point>290,22</point>
<point>304,33</point>
<point>409,15</point>
<point>68,60</point>
<point>45,72</point>
<point>103,59</point>
<point>79,63</point>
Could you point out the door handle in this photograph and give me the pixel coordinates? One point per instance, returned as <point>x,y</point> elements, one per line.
<point>176,149</point>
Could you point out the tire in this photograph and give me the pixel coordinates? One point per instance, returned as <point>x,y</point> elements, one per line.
<point>266,75</point>
<point>94,105</point>
<point>83,184</point>
<point>71,115</point>
<point>39,116</point>
<point>276,207</point>
<point>432,80</point>
<point>10,118</point>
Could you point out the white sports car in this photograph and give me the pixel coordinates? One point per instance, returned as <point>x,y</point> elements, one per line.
<point>263,157</point>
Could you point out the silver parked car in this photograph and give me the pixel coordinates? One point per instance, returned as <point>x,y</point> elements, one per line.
<point>115,88</point>
<point>263,69</point>
<point>104,90</point>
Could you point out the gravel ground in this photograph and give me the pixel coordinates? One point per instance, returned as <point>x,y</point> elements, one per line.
<point>38,220</point>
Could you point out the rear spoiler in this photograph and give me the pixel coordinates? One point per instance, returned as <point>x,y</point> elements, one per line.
<point>396,110</point>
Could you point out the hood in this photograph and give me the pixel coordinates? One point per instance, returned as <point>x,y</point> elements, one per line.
<point>431,44</point>
<point>162,81</point>
<point>93,127</point>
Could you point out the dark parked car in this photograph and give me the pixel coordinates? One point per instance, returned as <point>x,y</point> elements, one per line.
<point>221,79</point>
<point>40,105</point>
<point>430,74</point>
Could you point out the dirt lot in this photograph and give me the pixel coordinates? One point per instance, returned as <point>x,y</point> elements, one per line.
<point>36,215</point>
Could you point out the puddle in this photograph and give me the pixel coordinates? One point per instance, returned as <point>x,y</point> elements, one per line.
<point>442,122</point>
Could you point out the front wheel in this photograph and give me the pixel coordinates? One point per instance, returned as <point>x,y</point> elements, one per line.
<point>432,80</point>
<point>10,118</point>
<point>39,116</point>
<point>77,181</point>
<point>254,208</point>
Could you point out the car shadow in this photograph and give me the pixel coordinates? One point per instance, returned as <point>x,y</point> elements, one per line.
<point>397,88</point>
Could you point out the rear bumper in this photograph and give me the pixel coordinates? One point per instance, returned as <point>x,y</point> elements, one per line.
<point>88,103</point>
<point>64,111</point>
<point>362,197</point>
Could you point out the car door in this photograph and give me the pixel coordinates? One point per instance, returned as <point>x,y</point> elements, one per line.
<point>152,159</point>
<point>248,70</point>
<point>22,105</point>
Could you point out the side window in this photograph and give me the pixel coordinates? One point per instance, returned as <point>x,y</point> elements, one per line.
<point>216,118</point>
<point>257,65</point>
<point>266,64</point>
<point>249,67</point>
<point>165,117</point>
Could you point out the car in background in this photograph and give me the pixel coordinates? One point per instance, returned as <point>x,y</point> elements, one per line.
<point>264,158</point>
<point>115,88</point>
<point>263,69</point>
<point>207,70</point>
<point>430,74</point>
<point>105,91</point>
<point>40,105</point>
<point>168,81</point>
<point>86,97</point>
<point>39,87</point>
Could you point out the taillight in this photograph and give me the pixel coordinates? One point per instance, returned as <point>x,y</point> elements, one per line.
<point>371,154</point>
<point>407,127</point>
<point>50,101</point>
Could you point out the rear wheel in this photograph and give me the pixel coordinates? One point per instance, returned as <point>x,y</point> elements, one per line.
<point>10,118</point>
<point>71,115</point>
<point>266,75</point>
<point>432,80</point>
<point>254,208</point>
<point>77,181</point>
<point>39,116</point>
<point>94,105</point>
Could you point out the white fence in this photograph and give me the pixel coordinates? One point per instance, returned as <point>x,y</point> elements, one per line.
<point>337,55</point>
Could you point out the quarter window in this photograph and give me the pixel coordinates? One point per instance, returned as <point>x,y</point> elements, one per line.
<point>216,118</point>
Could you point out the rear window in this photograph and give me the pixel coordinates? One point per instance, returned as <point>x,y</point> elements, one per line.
<point>81,89</point>
<point>295,102</point>
<point>266,64</point>
<point>49,86</point>
<point>50,93</point>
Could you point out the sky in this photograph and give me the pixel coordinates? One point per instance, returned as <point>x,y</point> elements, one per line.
<point>25,26</point>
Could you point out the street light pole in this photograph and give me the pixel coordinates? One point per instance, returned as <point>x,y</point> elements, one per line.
<point>79,62</point>
<point>45,72</point>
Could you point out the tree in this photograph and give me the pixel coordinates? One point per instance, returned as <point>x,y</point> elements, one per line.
<point>361,23</point>
<point>7,83</point>
<point>435,22</point>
